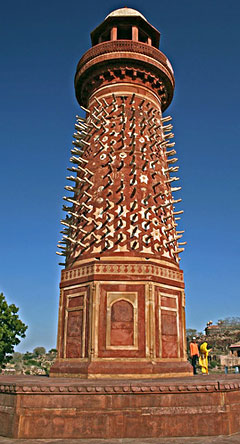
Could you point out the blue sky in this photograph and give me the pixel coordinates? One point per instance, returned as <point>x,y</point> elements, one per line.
<point>41,43</point>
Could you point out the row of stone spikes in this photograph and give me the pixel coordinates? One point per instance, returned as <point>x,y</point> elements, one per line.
<point>80,143</point>
<point>73,227</point>
<point>169,135</point>
<point>83,132</point>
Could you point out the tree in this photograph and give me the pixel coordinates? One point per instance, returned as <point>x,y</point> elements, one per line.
<point>39,351</point>
<point>11,329</point>
<point>53,350</point>
<point>232,322</point>
<point>17,357</point>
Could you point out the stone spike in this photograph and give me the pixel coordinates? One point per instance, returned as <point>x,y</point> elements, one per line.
<point>167,127</point>
<point>88,181</point>
<point>156,196</point>
<point>84,109</point>
<point>85,143</point>
<point>74,159</point>
<point>85,133</point>
<point>83,231</point>
<point>172,179</point>
<point>178,212</point>
<point>77,151</point>
<point>78,143</point>
<point>162,143</point>
<point>120,165</point>
<point>150,110</point>
<point>179,250</point>
<point>79,127</point>
<point>80,118</point>
<point>175,189</point>
<point>63,222</point>
<point>121,186</point>
<point>85,205</point>
<point>155,185</point>
<point>61,247</point>
<point>134,245</point>
<point>133,114</point>
<point>84,124</point>
<point>97,100</point>
<point>169,136</point>
<point>172,169</point>
<point>133,170</point>
<point>68,199</point>
<point>68,209</point>
<point>170,153</point>
<point>69,188</point>
<point>133,205</point>
<point>95,117</point>
<point>170,228</point>
<point>87,194</point>
<point>166,119</point>
<point>132,99</point>
<point>95,126</point>
<point>147,199</point>
<point>178,237</point>
<point>74,214</point>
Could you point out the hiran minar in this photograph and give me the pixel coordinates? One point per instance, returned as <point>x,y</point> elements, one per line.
<point>122,304</point>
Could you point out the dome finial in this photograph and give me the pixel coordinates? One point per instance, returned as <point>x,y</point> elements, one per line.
<point>125,12</point>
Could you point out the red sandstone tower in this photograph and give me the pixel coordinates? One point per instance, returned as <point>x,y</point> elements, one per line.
<point>122,304</point>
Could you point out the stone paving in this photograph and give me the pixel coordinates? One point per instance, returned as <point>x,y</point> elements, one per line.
<point>233,439</point>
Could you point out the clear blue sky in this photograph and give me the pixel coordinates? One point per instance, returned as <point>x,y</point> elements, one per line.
<point>41,43</point>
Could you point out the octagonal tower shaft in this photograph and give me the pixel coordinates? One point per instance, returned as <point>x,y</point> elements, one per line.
<point>122,292</point>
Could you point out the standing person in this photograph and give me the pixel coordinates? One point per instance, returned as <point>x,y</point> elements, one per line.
<point>194,354</point>
<point>203,358</point>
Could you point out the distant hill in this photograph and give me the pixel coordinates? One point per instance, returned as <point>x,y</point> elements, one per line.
<point>37,362</point>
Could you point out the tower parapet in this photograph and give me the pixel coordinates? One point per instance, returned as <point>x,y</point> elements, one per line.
<point>122,291</point>
<point>125,49</point>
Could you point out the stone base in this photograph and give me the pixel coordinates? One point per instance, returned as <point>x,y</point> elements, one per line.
<point>103,369</point>
<point>40,407</point>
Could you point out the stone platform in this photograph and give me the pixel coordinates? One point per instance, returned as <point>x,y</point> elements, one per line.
<point>62,408</point>
<point>232,439</point>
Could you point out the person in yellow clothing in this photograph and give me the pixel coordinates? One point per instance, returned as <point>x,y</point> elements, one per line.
<point>203,358</point>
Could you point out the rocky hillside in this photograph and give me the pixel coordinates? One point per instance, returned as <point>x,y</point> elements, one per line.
<point>37,362</point>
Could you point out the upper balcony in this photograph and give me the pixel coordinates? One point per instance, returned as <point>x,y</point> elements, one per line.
<point>126,24</point>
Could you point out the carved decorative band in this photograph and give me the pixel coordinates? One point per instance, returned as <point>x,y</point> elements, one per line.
<point>121,270</point>
<point>156,387</point>
<point>125,45</point>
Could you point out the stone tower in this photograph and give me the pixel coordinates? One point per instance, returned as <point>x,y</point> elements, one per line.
<point>122,304</point>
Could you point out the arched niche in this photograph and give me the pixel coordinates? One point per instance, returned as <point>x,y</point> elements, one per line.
<point>122,321</point>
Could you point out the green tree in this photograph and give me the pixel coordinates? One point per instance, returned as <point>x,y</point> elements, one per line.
<point>39,351</point>
<point>53,350</point>
<point>11,329</point>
